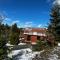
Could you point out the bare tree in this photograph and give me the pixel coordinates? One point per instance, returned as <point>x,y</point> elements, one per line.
<point>2,17</point>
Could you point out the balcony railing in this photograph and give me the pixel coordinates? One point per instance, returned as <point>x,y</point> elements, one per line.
<point>35,33</point>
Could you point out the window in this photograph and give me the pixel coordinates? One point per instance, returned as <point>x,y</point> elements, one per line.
<point>38,37</point>
<point>28,38</point>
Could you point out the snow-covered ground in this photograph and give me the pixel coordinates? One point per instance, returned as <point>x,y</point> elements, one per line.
<point>58,44</point>
<point>23,54</point>
<point>22,44</point>
<point>9,44</point>
<point>28,54</point>
<point>55,54</point>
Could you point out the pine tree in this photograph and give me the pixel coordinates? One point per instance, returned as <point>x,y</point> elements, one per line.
<point>3,48</point>
<point>54,25</point>
<point>14,35</point>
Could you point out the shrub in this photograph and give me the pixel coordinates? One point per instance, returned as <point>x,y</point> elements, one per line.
<point>40,45</point>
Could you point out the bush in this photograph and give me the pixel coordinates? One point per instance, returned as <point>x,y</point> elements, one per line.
<point>40,45</point>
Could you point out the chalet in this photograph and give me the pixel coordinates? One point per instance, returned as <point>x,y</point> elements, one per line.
<point>31,35</point>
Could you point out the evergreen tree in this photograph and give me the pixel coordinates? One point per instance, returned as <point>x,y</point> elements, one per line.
<point>3,48</point>
<point>54,25</point>
<point>7,32</point>
<point>14,35</point>
<point>14,38</point>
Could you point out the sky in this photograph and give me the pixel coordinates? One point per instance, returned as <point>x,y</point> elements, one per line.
<point>26,13</point>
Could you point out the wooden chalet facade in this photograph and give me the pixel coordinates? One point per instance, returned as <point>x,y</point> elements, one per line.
<point>31,35</point>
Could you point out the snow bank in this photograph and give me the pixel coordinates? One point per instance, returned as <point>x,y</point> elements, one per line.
<point>14,52</point>
<point>22,44</point>
<point>27,54</point>
<point>9,44</point>
<point>58,44</point>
